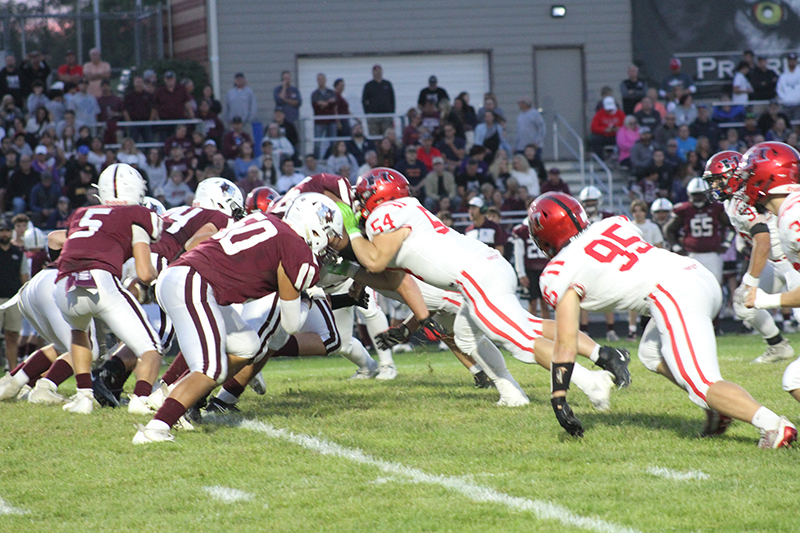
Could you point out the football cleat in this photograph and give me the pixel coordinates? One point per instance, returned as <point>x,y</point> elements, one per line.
<point>511,395</point>
<point>777,352</point>
<point>193,416</point>
<point>146,435</point>
<point>184,424</point>
<point>80,403</point>
<point>137,405</point>
<point>215,405</point>
<point>24,392</point>
<point>258,384</point>
<point>716,424</point>
<point>402,348</point>
<point>102,394</point>
<point>599,392</point>
<point>157,397</point>
<point>611,336</point>
<point>386,372</point>
<point>482,381</point>
<point>616,361</point>
<point>367,373</point>
<point>45,392</point>
<point>781,437</point>
<point>9,389</point>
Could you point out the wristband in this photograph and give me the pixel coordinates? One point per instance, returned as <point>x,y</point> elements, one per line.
<point>765,300</point>
<point>749,280</point>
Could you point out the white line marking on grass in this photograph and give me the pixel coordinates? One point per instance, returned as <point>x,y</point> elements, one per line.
<point>542,510</point>
<point>677,476</point>
<point>6,508</point>
<point>228,495</point>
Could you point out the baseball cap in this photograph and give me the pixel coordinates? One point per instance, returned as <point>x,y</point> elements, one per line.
<point>4,224</point>
<point>63,199</point>
<point>432,79</point>
<point>791,55</point>
<point>674,63</point>
<point>57,86</point>
<point>644,129</point>
<point>239,75</point>
<point>376,65</point>
<point>83,149</point>
<point>476,201</point>
<point>609,104</point>
<point>554,170</point>
<point>437,160</point>
<point>169,74</point>
<point>149,73</point>
<point>210,142</point>
<point>237,119</point>
<point>40,150</point>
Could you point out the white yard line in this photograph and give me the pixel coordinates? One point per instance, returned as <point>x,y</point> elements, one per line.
<point>676,475</point>
<point>542,510</point>
<point>6,508</point>
<point>227,494</point>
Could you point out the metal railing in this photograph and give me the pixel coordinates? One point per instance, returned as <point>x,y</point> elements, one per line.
<point>307,128</point>
<point>608,187</point>
<point>558,139</point>
<point>461,220</point>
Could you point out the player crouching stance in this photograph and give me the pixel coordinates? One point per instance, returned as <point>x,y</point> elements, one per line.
<point>609,266</point>
<point>99,240</point>
<point>259,255</point>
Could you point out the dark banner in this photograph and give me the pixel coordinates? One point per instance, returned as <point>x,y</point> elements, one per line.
<point>709,36</point>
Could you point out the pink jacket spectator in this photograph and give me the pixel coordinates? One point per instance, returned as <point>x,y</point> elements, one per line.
<point>625,141</point>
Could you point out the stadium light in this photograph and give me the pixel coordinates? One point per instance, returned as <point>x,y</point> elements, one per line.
<point>558,12</point>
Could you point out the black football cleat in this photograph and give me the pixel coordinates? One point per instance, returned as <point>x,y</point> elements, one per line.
<point>215,405</point>
<point>615,360</point>
<point>482,381</point>
<point>102,393</point>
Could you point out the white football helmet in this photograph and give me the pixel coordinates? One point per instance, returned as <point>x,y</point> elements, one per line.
<point>317,219</point>
<point>154,205</point>
<point>220,194</point>
<point>660,204</point>
<point>590,198</point>
<point>121,184</point>
<point>34,239</point>
<point>696,189</point>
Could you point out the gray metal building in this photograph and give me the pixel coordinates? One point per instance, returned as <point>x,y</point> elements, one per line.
<point>517,46</point>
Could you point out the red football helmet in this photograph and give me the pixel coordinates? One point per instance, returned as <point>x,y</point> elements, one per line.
<point>260,199</point>
<point>719,171</point>
<point>553,219</point>
<point>767,168</point>
<point>379,185</point>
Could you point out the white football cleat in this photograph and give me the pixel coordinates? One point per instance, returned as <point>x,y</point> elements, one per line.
<point>258,384</point>
<point>402,348</point>
<point>386,372</point>
<point>146,436</point>
<point>367,373</point>
<point>777,352</point>
<point>781,437</point>
<point>45,392</point>
<point>23,393</point>
<point>157,397</point>
<point>599,392</point>
<point>611,336</point>
<point>137,405</point>
<point>80,403</point>
<point>9,388</point>
<point>511,395</point>
<point>184,424</point>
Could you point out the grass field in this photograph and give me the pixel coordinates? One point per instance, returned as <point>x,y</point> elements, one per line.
<point>426,452</point>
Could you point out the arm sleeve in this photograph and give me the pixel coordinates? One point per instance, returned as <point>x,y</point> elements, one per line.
<point>293,315</point>
<point>139,235</point>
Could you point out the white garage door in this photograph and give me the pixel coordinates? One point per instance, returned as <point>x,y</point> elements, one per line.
<point>408,73</point>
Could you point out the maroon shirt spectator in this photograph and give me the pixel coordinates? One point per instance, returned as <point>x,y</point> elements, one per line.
<point>138,104</point>
<point>554,183</point>
<point>111,244</point>
<point>179,139</point>
<point>234,138</point>
<point>181,223</point>
<point>212,127</point>
<point>172,102</point>
<point>284,248</point>
<point>111,111</point>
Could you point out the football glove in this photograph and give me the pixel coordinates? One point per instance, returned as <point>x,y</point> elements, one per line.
<point>392,337</point>
<point>566,417</point>
<point>432,331</point>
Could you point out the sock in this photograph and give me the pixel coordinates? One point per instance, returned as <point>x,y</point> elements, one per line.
<point>609,327</point>
<point>232,387</point>
<point>36,365</point>
<point>581,377</point>
<point>475,369</point>
<point>227,397</point>
<point>777,339</point>
<point>21,378</point>
<point>60,371</point>
<point>175,370</point>
<point>765,420</point>
<point>118,382</point>
<point>595,355</point>
<point>83,381</point>
<point>18,367</point>
<point>290,349</point>
<point>631,328</point>
<point>169,413</point>
<point>142,388</point>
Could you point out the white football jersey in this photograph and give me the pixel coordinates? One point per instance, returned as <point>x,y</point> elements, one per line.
<point>789,228</point>
<point>432,252</point>
<point>743,217</point>
<point>610,266</point>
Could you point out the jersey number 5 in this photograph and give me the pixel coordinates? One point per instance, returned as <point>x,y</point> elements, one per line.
<point>92,225</point>
<point>608,249</point>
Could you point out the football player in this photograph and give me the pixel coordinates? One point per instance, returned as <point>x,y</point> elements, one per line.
<point>99,240</point>
<point>767,259</point>
<point>768,177</point>
<point>268,255</point>
<point>451,261</point>
<point>607,265</point>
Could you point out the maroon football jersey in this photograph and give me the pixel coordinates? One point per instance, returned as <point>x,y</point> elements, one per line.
<point>241,262</point>
<point>490,234</point>
<point>337,185</point>
<point>100,237</point>
<point>701,228</point>
<point>533,256</point>
<point>180,225</point>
